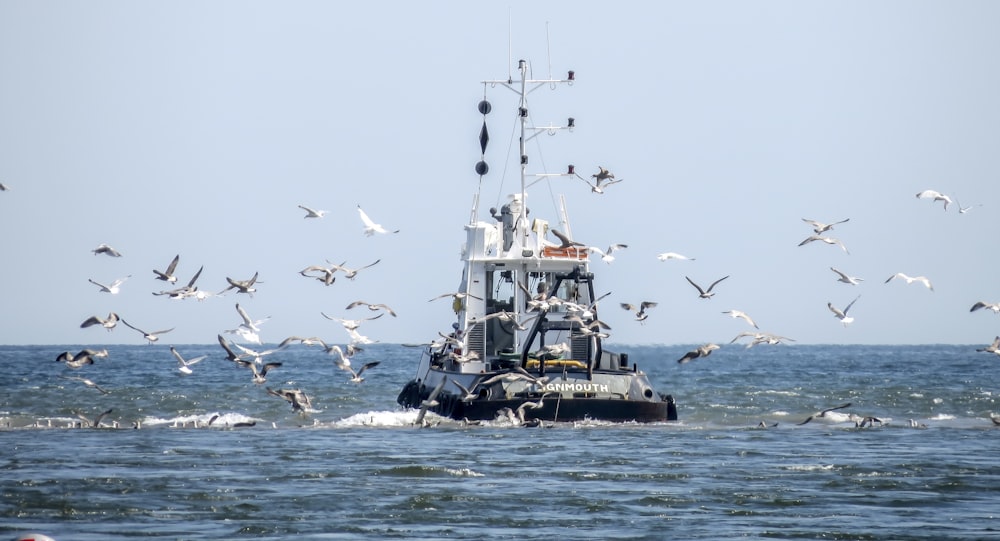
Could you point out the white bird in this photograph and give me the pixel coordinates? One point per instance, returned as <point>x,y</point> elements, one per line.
<point>995,306</point>
<point>298,399</point>
<point>115,286</point>
<point>87,382</point>
<point>823,413</point>
<point>312,213</point>
<point>761,338</point>
<point>105,249</point>
<point>706,293</point>
<point>257,356</point>
<point>606,255</point>
<point>350,324</point>
<point>701,351</point>
<point>108,323</point>
<point>348,272</point>
<point>640,314</point>
<point>742,315</point>
<point>371,227</point>
<point>372,307</point>
<point>429,402</point>
<point>602,179</point>
<point>828,240</point>
<point>188,290</point>
<point>666,256</point>
<point>935,196</point>
<point>467,395</point>
<point>963,210</point>
<point>911,279</point>
<point>820,227</point>
<point>992,348</point>
<point>150,336</point>
<point>853,280</point>
<point>250,328</point>
<point>96,423</point>
<point>458,296</point>
<point>184,365</point>
<point>168,275</point>
<point>356,376</point>
<point>259,373</point>
<point>842,314</point>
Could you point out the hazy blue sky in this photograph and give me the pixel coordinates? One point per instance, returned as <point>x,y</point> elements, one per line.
<point>196,128</point>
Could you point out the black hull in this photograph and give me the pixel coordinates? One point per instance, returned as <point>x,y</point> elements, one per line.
<point>552,409</point>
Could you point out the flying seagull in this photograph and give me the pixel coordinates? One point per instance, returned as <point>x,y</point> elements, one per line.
<point>742,315</point>
<point>827,240</point>
<point>371,227</point>
<point>105,249</point>
<point>602,179</point>
<point>606,255</point>
<point>935,196</point>
<point>372,307</point>
<point>706,293</point>
<point>824,412</point>
<point>820,227</point>
<point>150,336</point>
<point>666,256</point>
<point>348,272</point>
<point>565,241</point>
<point>701,351</point>
<point>430,402</point>
<point>356,377</point>
<point>853,280</point>
<point>298,399</point>
<point>911,279</point>
<point>168,275</point>
<point>113,288</point>
<point>842,314</point>
<point>994,306</point>
<point>241,286</point>
<point>640,314</point>
<point>992,348</point>
<point>83,357</point>
<point>87,382</point>
<point>312,213</point>
<point>108,323</point>
<point>96,423</point>
<point>184,365</point>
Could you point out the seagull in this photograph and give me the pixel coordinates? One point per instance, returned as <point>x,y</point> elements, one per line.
<point>606,254</point>
<point>995,306</point>
<point>115,286</point>
<point>602,175</point>
<point>842,314</point>
<point>935,196</point>
<point>701,351</point>
<point>3,187</point>
<point>911,279</point>
<point>429,402</point>
<point>564,241</point>
<point>312,213</point>
<point>351,324</point>
<point>853,280</point>
<point>342,361</point>
<point>188,290</point>
<point>82,358</point>
<point>151,336</point>
<point>828,240</point>
<point>311,341</point>
<point>467,395</point>
<point>603,178</point>
<point>185,365</point>
<point>168,275</point>
<point>820,227</point>
<point>963,210</point>
<point>372,307</point>
<point>356,376</point>
<point>230,354</point>
<point>506,317</point>
<point>371,227</point>
<point>96,423</point>
<point>326,276</point>
<point>761,338</point>
<point>640,314</point>
<point>529,404</point>
<point>992,348</point>
<point>108,323</point>
<point>666,256</point>
<point>241,286</point>
<point>458,296</point>
<point>706,293</point>
<point>256,355</point>
<point>259,374</point>
<point>249,330</point>
<point>105,249</point>
<point>87,382</point>
<point>351,273</point>
<point>298,399</point>
<point>824,412</point>
<point>742,315</point>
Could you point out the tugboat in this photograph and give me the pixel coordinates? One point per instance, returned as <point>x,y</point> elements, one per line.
<point>527,342</point>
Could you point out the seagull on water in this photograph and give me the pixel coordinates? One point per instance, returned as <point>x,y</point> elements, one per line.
<point>606,255</point>
<point>115,286</point>
<point>108,323</point>
<point>820,227</point>
<point>168,275</point>
<point>706,293</point>
<point>105,249</point>
<point>935,196</point>
<point>911,279</point>
<point>666,256</point>
<point>150,336</point>
<point>96,422</point>
<point>853,280</point>
<point>312,213</point>
<point>742,315</point>
<point>184,365</point>
<point>371,227</point>
<point>842,314</point>
<point>701,351</point>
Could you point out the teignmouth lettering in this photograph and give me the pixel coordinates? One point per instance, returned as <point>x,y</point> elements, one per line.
<point>577,387</point>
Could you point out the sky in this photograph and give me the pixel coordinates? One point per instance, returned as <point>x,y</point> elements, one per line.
<point>197,128</point>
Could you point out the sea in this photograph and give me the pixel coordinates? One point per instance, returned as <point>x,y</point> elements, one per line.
<point>738,464</point>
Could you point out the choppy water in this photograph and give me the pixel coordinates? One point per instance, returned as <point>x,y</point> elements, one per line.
<point>356,467</point>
